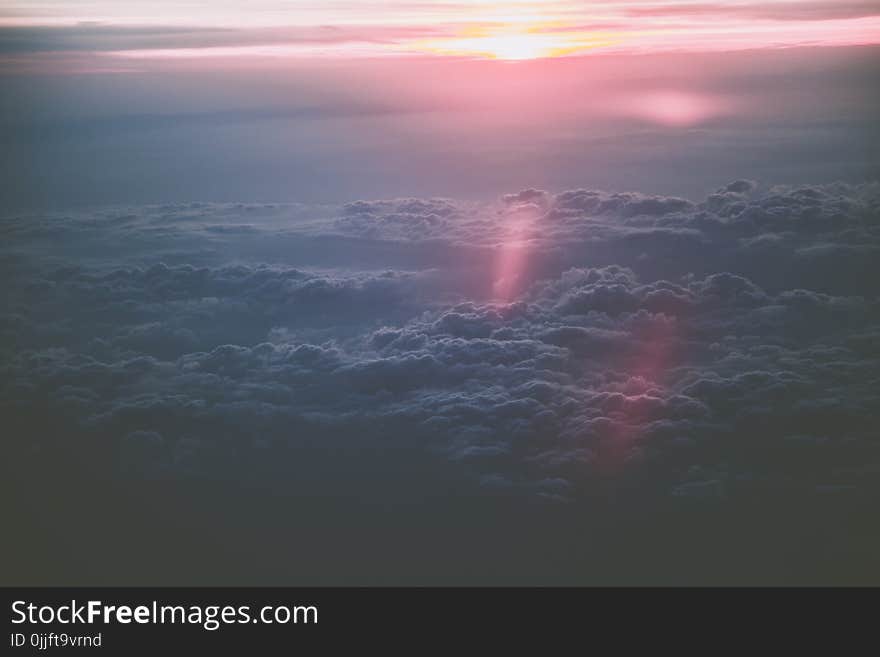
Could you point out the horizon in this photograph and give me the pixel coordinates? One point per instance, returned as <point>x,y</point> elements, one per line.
<point>503,30</point>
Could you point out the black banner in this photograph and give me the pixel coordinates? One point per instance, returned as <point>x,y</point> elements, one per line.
<point>175,621</point>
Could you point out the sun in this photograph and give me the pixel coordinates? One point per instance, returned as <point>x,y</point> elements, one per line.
<point>517,44</point>
<point>508,46</point>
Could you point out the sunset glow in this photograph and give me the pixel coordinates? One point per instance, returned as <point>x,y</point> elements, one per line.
<point>510,43</point>
<point>509,31</point>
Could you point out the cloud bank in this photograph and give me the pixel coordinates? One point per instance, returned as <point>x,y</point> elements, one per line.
<point>558,347</point>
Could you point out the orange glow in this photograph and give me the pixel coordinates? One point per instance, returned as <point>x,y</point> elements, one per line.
<point>512,258</point>
<point>677,109</point>
<point>630,405</point>
<point>512,43</point>
<point>510,265</point>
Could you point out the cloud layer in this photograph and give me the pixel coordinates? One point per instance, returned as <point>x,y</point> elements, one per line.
<point>557,346</point>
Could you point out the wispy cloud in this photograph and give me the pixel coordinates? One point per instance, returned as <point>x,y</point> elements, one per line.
<point>787,10</point>
<point>505,30</point>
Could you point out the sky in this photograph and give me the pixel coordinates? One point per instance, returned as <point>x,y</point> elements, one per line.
<point>440,292</point>
<point>505,30</point>
<point>325,102</point>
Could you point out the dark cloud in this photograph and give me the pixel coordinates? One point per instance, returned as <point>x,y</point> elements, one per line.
<point>251,370</point>
<point>652,349</point>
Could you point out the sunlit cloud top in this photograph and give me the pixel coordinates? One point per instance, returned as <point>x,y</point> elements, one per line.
<point>510,30</point>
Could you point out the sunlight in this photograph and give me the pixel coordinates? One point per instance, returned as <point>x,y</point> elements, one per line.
<point>511,43</point>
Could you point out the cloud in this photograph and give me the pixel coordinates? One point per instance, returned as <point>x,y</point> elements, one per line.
<point>649,339</point>
<point>97,37</point>
<point>796,10</point>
